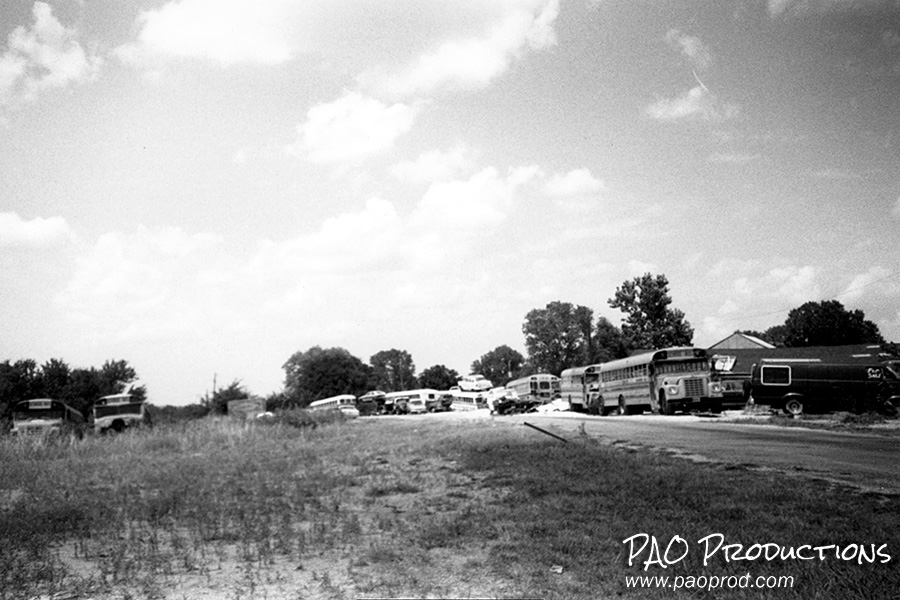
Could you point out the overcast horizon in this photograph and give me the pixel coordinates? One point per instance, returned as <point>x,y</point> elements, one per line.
<point>203,188</point>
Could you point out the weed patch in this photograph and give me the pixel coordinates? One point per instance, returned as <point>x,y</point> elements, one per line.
<point>388,508</point>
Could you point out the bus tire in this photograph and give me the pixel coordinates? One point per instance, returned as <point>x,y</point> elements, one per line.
<point>793,406</point>
<point>665,407</point>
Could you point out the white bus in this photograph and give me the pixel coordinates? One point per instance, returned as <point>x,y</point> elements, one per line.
<point>346,403</point>
<point>40,417</point>
<point>418,401</point>
<point>665,380</point>
<point>118,412</point>
<point>580,387</point>
<point>541,387</point>
<point>468,400</point>
<point>396,403</point>
<point>370,403</point>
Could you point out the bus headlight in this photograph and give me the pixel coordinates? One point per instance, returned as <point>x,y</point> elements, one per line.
<point>672,390</point>
<point>715,388</point>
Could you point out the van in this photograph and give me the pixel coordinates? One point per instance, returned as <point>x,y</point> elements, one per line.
<point>798,386</point>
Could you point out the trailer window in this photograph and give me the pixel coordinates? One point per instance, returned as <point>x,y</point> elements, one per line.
<point>776,375</point>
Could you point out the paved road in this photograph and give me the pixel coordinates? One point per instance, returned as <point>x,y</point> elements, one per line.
<point>866,461</point>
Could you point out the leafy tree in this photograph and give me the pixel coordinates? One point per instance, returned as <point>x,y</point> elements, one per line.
<point>79,388</point>
<point>115,375</point>
<point>558,336</point>
<point>321,373</point>
<point>83,389</point>
<point>438,377</point>
<point>55,375</point>
<point>500,365</point>
<point>19,381</point>
<point>217,404</point>
<point>649,321</point>
<point>393,370</point>
<point>609,342</point>
<point>828,323</point>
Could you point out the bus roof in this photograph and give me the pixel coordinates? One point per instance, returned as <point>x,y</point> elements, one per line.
<point>338,397</point>
<point>675,353</point>
<point>580,370</point>
<point>116,399</point>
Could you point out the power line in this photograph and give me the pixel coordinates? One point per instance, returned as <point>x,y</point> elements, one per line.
<point>834,297</point>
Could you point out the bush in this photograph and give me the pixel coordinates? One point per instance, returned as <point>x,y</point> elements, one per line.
<point>301,418</point>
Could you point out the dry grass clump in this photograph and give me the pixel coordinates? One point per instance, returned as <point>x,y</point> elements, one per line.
<point>395,508</point>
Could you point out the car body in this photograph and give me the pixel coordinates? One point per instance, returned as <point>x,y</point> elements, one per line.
<point>809,385</point>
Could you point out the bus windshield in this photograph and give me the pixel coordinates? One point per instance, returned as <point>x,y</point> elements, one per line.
<point>682,366</point>
<point>43,413</point>
<point>120,409</point>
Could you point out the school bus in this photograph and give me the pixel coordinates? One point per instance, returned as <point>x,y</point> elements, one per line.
<point>45,417</point>
<point>118,412</point>
<point>668,380</point>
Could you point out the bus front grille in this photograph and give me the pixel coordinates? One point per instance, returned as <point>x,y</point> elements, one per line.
<point>693,388</point>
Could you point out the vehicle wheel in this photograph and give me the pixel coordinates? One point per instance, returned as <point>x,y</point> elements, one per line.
<point>665,407</point>
<point>793,407</point>
<point>623,409</point>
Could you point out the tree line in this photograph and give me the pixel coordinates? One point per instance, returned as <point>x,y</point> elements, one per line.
<point>559,336</point>
<point>78,387</point>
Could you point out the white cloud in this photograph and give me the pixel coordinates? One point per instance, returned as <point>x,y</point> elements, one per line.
<point>637,268</point>
<point>691,47</point>
<point>352,127</point>
<point>226,31</point>
<point>802,7</point>
<point>575,182</point>
<point>696,103</point>
<point>143,285</point>
<point>433,165</point>
<point>856,288</point>
<point>38,232</point>
<point>472,62</point>
<point>466,206</point>
<point>47,55</point>
<point>786,284</point>
<point>896,210</point>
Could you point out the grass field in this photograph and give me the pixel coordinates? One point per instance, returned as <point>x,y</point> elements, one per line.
<point>383,508</point>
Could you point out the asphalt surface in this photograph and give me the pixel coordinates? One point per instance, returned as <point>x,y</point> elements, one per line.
<point>866,461</point>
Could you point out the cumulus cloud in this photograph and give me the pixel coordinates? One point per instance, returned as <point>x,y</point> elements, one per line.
<point>433,165</point>
<point>351,128</point>
<point>856,288</point>
<point>462,206</point>
<point>575,182</point>
<point>696,103</point>
<point>142,285</point>
<point>226,31</point>
<point>691,47</point>
<point>44,56</point>
<point>38,232</point>
<point>471,62</point>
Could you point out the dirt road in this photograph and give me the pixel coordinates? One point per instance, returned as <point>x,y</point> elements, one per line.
<point>866,461</point>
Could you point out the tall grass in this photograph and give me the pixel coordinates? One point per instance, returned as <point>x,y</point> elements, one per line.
<point>389,508</point>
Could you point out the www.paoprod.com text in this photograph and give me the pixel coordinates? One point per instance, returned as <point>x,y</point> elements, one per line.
<point>709,582</point>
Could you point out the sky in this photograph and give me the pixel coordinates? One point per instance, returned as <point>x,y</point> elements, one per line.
<point>205,187</point>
